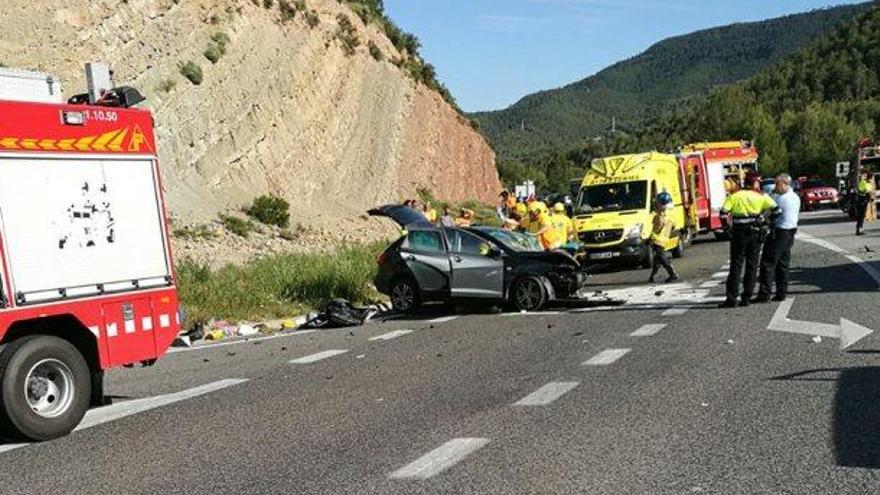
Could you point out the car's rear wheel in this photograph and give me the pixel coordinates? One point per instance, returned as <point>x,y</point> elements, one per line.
<point>529,294</point>
<point>405,295</point>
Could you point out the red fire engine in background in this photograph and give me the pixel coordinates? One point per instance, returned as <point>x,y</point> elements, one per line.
<point>85,261</point>
<point>709,171</point>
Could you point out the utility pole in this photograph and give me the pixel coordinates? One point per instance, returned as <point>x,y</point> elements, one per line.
<point>613,125</point>
<point>522,125</point>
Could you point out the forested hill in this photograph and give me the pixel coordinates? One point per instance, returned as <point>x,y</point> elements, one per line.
<point>806,113</point>
<point>674,69</point>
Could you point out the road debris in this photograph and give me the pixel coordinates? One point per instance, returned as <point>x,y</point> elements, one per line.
<point>816,339</point>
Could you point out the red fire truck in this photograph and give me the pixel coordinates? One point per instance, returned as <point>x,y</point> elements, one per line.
<point>709,170</point>
<point>85,261</point>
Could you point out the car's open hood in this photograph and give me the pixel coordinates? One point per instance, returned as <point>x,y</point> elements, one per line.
<point>402,215</point>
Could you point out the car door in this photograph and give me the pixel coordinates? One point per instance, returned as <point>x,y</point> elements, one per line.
<point>474,272</point>
<point>424,252</point>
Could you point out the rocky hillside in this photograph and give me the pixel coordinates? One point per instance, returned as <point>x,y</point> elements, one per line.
<point>303,101</point>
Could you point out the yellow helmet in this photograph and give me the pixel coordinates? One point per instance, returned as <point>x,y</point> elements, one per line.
<point>559,208</point>
<point>521,209</point>
<point>538,208</point>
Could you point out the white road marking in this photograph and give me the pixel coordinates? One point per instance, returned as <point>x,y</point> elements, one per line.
<point>547,394</point>
<point>318,356</point>
<point>648,330</point>
<point>442,319</point>
<point>719,275</point>
<point>533,313</point>
<point>675,311</point>
<point>606,357</point>
<point>867,267</point>
<point>710,284</point>
<point>240,341</point>
<point>440,459</point>
<point>391,335</point>
<point>101,415</point>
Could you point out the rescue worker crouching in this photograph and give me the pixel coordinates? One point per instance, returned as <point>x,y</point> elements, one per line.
<point>465,218</point>
<point>661,237</point>
<point>518,219</point>
<point>751,213</point>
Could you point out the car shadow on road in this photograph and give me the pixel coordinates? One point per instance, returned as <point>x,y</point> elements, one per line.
<point>856,415</point>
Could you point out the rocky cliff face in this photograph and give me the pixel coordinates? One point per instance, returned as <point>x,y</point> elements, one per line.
<point>285,110</point>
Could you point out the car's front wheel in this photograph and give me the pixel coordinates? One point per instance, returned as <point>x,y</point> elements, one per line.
<point>529,294</point>
<point>404,295</point>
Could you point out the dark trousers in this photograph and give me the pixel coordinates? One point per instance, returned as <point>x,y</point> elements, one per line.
<point>661,259</point>
<point>861,212</point>
<point>745,252</point>
<point>775,261</point>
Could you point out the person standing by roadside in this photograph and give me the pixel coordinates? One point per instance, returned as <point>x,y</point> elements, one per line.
<point>776,257</point>
<point>661,235</point>
<point>864,198</point>
<point>430,212</point>
<point>563,226</point>
<point>749,210</point>
<point>446,220</point>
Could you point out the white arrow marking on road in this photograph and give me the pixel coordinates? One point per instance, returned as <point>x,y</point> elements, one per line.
<point>848,332</point>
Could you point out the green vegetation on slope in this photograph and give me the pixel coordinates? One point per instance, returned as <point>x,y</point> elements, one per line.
<point>669,73</point>
<point>277,286</point>
<point>806,113</point>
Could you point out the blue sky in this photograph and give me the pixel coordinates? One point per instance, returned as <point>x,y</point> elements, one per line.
<point>490,53</point>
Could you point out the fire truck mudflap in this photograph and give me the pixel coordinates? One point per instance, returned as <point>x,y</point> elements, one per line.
<point>85,262</point>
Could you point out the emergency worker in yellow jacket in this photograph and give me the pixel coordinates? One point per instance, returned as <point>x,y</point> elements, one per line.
<point>864,203</point>
<point>563,225</point>
<point>540,225</point>
<point>661,237</point>
<point>751,213</point>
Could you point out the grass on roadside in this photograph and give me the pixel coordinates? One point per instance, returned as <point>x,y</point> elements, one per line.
<point>277,286</point>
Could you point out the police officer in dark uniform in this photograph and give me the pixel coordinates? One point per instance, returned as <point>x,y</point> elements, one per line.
<point>751,213</point>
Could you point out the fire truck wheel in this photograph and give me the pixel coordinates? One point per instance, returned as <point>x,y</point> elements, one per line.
<point>45,388</point>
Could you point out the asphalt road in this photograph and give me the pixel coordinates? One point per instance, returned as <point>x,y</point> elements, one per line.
<point>664,395</point>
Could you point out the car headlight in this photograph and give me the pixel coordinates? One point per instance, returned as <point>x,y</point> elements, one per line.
<point>634,232</point>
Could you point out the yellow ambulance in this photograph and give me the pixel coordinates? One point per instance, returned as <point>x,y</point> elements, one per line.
<point>614,208</point>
